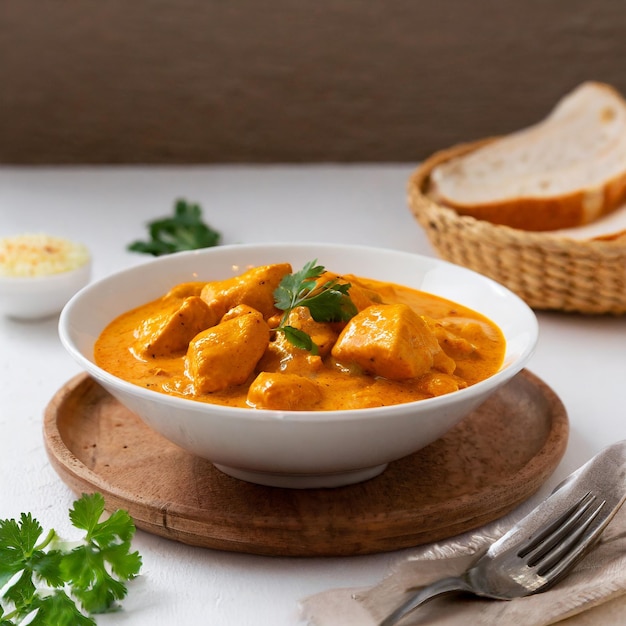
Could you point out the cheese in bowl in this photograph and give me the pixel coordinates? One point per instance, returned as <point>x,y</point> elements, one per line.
<point>39,273</point>
<point>361,343</point>
<point>40,255</point>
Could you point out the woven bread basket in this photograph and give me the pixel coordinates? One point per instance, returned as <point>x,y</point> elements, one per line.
<point>549,272</point>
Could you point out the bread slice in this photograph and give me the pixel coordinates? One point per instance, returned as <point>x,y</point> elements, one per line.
<point>610,227</point>
<point>565,171</point>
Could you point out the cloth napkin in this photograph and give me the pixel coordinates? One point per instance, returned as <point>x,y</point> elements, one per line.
<point>594,594</point>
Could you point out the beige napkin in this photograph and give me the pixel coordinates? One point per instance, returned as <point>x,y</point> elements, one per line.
<point>594,594</point>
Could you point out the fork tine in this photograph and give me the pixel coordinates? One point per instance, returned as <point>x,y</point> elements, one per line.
<point>544,539</point>
<point>556,548</point>
<point>573,548</point>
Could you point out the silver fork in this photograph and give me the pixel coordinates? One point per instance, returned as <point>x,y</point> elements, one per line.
<point>521,563</point>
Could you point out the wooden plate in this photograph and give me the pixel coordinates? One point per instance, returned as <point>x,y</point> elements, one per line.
<point>492,461</point>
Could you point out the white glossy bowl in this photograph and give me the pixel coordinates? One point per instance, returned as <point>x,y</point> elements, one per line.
<point>298,448</point>
<point>37,297</point>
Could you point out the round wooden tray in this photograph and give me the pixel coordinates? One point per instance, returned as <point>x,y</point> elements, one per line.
<point>492,461</point>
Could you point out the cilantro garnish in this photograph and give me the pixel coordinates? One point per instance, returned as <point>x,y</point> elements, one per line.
<point>44,582</point>
<point>184,231</point>
<point>327,302</point>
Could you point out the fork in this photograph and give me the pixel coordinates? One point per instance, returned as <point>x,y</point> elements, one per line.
<point>526,566</point>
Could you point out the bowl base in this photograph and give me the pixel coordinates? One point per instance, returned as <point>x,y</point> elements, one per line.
<point>303,481</point>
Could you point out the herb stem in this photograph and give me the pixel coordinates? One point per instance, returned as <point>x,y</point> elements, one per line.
<point>48,538</point>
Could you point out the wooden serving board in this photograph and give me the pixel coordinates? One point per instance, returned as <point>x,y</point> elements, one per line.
<point>492,461</point>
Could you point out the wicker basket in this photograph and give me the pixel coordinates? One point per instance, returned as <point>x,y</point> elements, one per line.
<point>547,271</point>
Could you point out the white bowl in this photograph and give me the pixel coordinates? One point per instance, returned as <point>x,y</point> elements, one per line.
<point>298,448</point>
<point>37,297</point>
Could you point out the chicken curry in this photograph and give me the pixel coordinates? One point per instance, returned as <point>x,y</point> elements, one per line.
<point>223,342</point>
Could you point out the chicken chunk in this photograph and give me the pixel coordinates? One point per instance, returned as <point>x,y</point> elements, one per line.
<point>283,356</point>
<point>254,288</point>
<point>451,342</point>
<point>170,333</point>
<point>238,311</point>
<point>184,290</point>
<point>227,354</point>
<point>287,392</point>
<point>389,340</point>
<point>323,334</point>
<point>438,384</point>
<point>361,296</point>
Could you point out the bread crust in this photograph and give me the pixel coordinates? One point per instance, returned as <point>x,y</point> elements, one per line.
<point>539,213</point>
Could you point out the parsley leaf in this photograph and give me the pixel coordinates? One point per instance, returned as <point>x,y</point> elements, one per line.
<point>41,582</point>
<point>184,231</point>
<point>298,338</point>
<point>327,302</point>
<point>107,544</point>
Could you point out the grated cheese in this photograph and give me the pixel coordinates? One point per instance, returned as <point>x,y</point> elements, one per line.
<point>40,255</point>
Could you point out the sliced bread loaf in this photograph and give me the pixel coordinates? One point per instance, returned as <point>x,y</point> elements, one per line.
<point>565,171</point>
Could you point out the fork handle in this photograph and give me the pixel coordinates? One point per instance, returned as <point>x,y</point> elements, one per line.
<point>438,588</point>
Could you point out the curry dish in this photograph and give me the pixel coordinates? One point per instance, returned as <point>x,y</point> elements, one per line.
<point>217,342</point>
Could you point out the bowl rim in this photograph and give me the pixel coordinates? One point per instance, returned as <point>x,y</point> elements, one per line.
<point>337,415</point>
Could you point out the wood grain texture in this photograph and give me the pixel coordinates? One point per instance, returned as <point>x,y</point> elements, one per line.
<point>241,81</point>
<point>492,461</point>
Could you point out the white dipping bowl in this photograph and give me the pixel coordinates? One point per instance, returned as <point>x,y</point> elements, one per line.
<point>38,297</point>
<point>299,449</point>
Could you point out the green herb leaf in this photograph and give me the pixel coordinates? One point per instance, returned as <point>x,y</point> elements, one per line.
<point>41,583</point>
<point>328,302</point>
<point>107,546</point>
<point>19,552</point>
<point>299,338</point>
<point>59,609</point>
<point>331,304</point>
<point>184,231</point>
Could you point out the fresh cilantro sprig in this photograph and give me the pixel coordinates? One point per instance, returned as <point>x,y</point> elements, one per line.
<point>327,302</point>
<point>184,231</point>
<point>45,582</point>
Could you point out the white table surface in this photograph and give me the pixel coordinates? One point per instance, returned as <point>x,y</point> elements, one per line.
<point>582,358</point>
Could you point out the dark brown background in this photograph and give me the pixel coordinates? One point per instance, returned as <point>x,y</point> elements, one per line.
<point>188,81</point>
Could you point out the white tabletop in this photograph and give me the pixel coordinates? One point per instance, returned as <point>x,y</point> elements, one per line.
<point>582,358</point>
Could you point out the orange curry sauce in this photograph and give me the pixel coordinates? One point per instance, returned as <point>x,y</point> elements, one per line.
<point>215,342</point>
